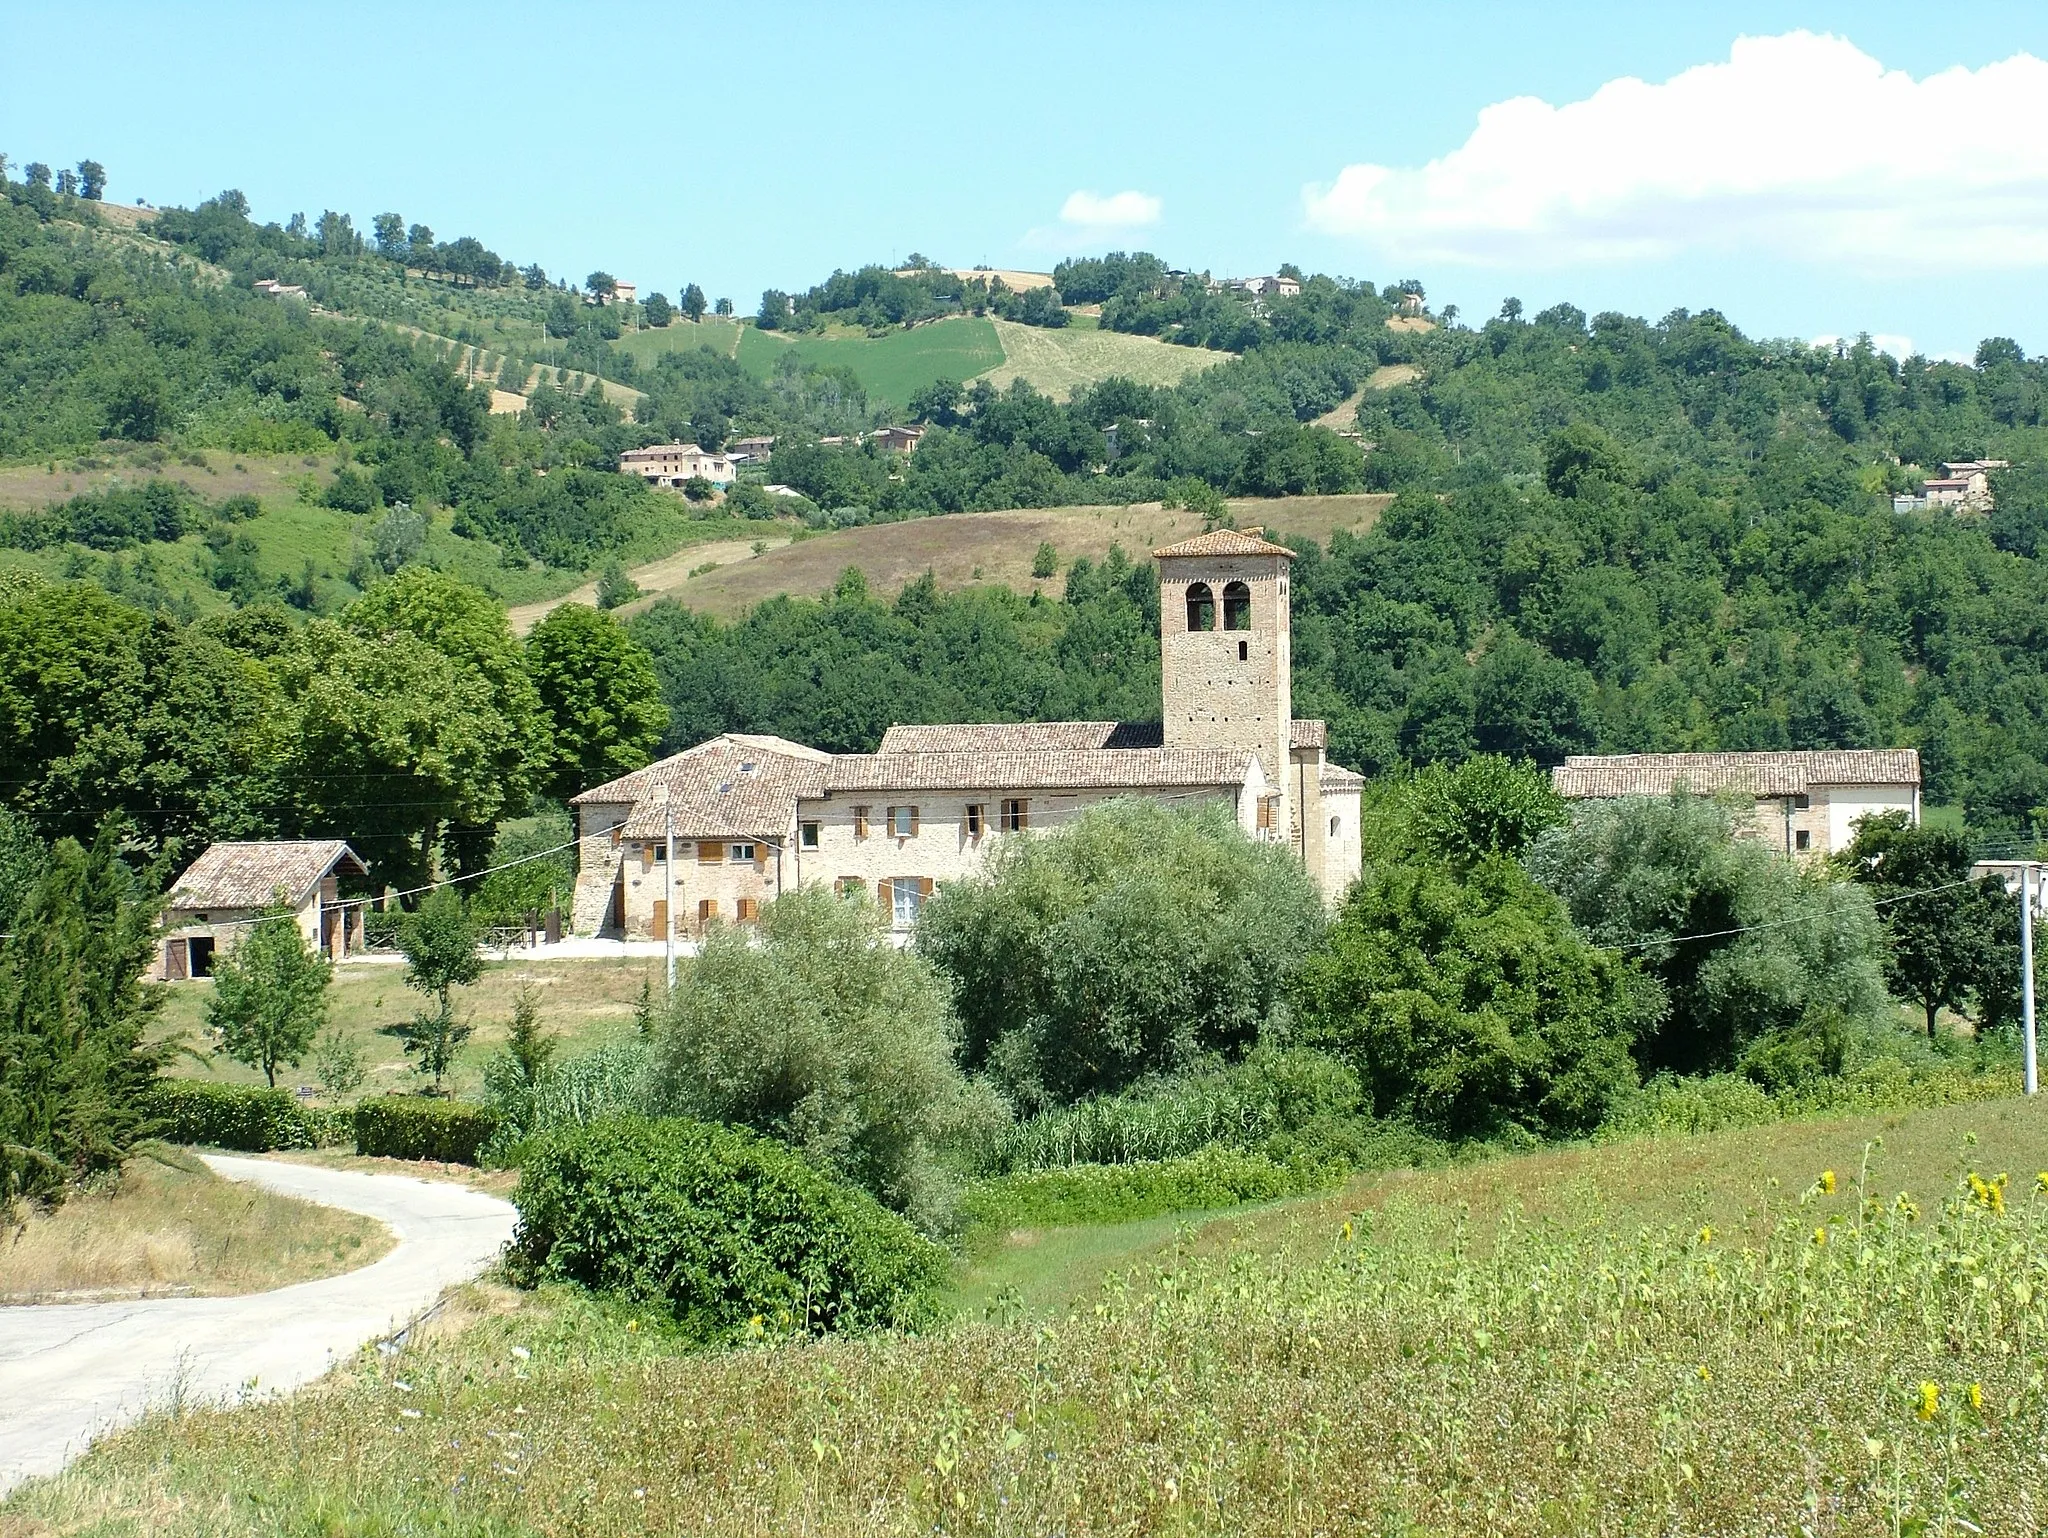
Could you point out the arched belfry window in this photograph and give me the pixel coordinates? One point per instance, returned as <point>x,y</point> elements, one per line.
<point>1237,607</point>
<point>1201,607</point>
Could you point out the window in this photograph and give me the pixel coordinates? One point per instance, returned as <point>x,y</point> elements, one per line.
<point>1802,803</point>
<point>1201,607</point>
<point>906,895</point>
<point>617,830</point>
<point>1016,816</point>
<point>1335,823</point>
<point>860,822</point>
<point>750,909</point>
<point>903,822</point>
<point>974,820</point>
<point>743,854</point>
<point>851,887</point>
<point>707,910</point>
<point>1244,651</point>
<point>1802,839</point>
<point>710,851</point>
<point>1267,806</point>
<point>658,853</point>
<point>807,834</point>
<point>1237,606</point>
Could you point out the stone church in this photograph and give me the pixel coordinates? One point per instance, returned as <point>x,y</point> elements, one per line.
<point>742,818</point>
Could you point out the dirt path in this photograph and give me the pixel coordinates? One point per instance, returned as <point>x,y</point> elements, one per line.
<point>655,579</point>
<point>71,1372</point>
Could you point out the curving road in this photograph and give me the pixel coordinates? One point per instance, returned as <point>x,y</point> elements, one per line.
<point>71,1371</point>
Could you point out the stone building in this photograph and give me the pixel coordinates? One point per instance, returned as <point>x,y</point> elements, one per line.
<point>214,903</point>
<point>673,464</point>
<point>745,817</point>
<point>1801,803</point>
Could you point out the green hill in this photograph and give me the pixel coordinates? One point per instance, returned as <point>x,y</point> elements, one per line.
<point>892,367</point>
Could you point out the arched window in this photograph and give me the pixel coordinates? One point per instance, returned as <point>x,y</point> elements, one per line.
<point>1334,823</point>
<point>1201,607</point>
<point>1237,607</point>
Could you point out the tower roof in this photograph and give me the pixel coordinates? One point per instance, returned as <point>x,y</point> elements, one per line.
<point>1226,542</point>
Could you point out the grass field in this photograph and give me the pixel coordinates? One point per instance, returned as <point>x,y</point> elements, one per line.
<point>966,549</point>
<point>891,367</point>
<point>173,1227</point>
<point>1681,1336</point>
<point>721,336</point>
<point>583,1002</point>
<point>1061,362</point>
<point>726,543</point>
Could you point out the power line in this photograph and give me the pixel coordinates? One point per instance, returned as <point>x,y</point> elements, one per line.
<point>1804,918</point>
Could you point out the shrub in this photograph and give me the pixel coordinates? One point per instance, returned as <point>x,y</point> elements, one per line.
<point>1117,1193</point>
<point>1670,1104</point>
<point>415,1127</point>
<point>245,1117</point>
<point>718,1226</point>
<point>608,1080</point>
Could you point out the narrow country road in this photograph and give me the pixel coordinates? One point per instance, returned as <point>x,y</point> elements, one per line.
<point>70,1371</point>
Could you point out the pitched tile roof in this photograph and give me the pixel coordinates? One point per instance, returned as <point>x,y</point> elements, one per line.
<point>739,785</point>
<point>1041,769</point>
<point>1069,736</point>
<point>1760,774</point>
<point>1337,777</point>
<point>250,875</point>
<point>1225,542</point>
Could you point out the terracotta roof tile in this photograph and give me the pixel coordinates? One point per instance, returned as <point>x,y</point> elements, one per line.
<point>1041,769</point>
<point>1760,774</point>
<point>738,785</point>
<point>1337,777</point>
<point>1071,736</point>
<point>1224,542</point>
<point>250,875</point>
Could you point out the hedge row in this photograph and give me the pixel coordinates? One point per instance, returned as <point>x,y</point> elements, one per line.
<point>720,1227</point>
<point>1117,1193</point>
<point>245,1117</point>
<point>414,1127</point>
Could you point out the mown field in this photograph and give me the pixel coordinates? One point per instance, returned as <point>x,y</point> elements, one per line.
<point>965,549</point>
<point>892,367</point>
<point>1061,362</point>
<point>646,347</point>
<point>1820,1327</point>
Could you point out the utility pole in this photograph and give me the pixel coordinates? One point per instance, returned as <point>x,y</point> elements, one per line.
<point>668,885</point>
<point>2033,1077</point>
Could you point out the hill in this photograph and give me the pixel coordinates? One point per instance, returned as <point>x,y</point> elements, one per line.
<point>1074,357</point>
<point>891,367</point>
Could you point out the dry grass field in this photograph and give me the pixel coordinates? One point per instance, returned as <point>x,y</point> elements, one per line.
<point>657,579</point>
<point>1343,417</point>
<point>271,478</point>
<point>967,549</point>
<point>582,1001</point>
<point>173,1227</point>
<point>1061,362</point>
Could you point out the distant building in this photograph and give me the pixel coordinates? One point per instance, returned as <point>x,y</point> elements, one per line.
<point>1259,288</point>
<point>671,464</point>
<point>747,450</point>
<point>777,489</point>
<point>214,903</point>
<point>897,440</point>
<point>1412,302</point>
<point>623,292</point>
<point>270,288</point>
<point>1802,803</point>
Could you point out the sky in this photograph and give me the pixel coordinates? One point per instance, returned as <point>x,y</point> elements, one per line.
<point>1811,170</point>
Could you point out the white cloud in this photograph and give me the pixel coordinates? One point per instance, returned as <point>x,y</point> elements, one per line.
<point>1118,211</point>
<point>1799,146</point>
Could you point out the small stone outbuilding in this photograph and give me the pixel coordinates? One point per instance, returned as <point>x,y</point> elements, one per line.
<point>214,903</point>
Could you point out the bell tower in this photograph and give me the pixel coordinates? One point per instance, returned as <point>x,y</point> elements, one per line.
<point>1226,652</point>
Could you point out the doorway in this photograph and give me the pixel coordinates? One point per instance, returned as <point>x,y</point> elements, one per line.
<point>200,949</point>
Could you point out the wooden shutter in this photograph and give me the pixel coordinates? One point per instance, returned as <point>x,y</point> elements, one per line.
<point>660,918</point>
<point>885,889</point>
<point>913,822</point>
<point>749,910</point>
<point>924,886</point>
<point>647,857</point>
<point>707,909</point>
<point>710,851</point>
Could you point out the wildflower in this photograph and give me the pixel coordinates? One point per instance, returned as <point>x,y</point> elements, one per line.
<point>2041,1182</point>
<point>1827,1182</point>
<point>632,1325</point>
<point>410,1413</point>
<point>1707,1233</point>
<point>1820,1236</point>
<point>1348,1229</point>
<point>755,1327</point>
<point>522,1353</point>
<point>1908,1208</point>
<point>1977,1397</point>
<point>1929,1404</point>
<point>1706,1376</point>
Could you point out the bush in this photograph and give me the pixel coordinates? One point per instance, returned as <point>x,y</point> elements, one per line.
<point>608,1080</point>
<point>415,1127</point>
<point>1117,1193</point>
<point>718,1226</point>
<point>245,1117</point>
<point>1671,1104</point>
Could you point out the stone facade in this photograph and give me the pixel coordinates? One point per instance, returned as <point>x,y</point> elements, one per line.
<point>749,817</point>
<point>213,905</point>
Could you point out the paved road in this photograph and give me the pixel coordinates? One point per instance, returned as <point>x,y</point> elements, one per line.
<point>70,1371</point>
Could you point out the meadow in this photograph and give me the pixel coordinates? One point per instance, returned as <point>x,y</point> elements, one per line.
<point>722,336</point>
<point>1061,362</point>
<point>1822,1327</point>
<point>892,367</point>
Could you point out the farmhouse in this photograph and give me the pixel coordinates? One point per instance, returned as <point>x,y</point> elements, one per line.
<point>747,450</point>
<point>897,440</point>
<point>1799,802</point>
<point>671,464</point>
<point>213,903</point>
<point>709,834</point>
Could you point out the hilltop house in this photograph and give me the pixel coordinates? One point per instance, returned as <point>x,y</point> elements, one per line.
<point>744,818</point>
<point>671,464</point>
<point>1964,484</point>
<point>897,440</point>
<point>747,450</point>
<point>211,907</point>
<point>1799,802</point>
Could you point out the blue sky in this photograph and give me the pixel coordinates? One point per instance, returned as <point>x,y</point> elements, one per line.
<point>1797,187</point>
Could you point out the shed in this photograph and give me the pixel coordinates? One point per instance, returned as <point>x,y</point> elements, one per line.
<point>213,904</point>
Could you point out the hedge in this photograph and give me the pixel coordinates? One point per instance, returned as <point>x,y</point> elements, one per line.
<point>1117,1193</point>
<point>415,1127</point>
<point>720,1227</point>
<point>246,1117</point>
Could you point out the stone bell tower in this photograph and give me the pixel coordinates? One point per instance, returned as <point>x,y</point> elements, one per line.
<point>1225,653</point>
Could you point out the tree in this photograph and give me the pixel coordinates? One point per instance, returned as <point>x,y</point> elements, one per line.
<point>598,691</point>
<point>512,1077</point>
<point>658,310</point>
<point>1484,806</point>
<point>389,230</point>
<point>1045,562</point>
<point>615,588</point>
<point>338,1063</point>
<point>1132,941</point>
<point>92,180</point>
<point>439,940</point>
<point>37,173</point>
<point>75,1021</point>
<point>826,1036</point>
<point>724,307</point>
<point>601,286</point>
<point>1940,926</point>
<point>270,995</point>
<point>67,184</point>
<point>692,303</point>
